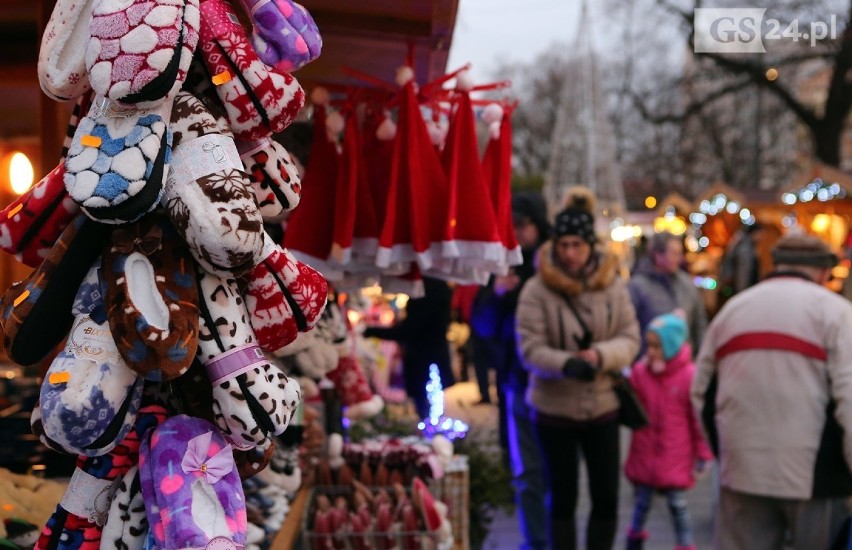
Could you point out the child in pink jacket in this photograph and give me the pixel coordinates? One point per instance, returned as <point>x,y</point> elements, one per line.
<point>666,455</point>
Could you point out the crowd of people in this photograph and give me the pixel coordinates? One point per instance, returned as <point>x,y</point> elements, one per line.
<point>765,385</point>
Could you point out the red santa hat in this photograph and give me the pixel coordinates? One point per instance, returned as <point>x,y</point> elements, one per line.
<point>472,217</point>
<point>310,228</point>
<point>356,229</point>
<point>497,172</point>
<point>416,224</point>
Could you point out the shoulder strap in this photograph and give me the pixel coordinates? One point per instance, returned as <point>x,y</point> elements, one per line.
<point>586,340</point>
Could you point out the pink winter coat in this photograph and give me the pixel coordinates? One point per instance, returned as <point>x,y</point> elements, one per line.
<point>663,454</point>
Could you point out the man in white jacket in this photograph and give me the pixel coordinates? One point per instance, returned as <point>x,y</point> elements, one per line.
<point>777,361</point>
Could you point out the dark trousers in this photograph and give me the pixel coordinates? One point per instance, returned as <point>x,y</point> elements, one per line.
<point>561,448</point>
<point>485,356</point>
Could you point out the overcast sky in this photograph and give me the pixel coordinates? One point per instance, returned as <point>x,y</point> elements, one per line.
<point>488,31</point>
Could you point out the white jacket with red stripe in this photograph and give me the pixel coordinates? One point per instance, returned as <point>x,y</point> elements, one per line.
<point>781,352</point>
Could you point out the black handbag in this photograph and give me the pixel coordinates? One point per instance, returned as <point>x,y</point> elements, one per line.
<point>631,413</point>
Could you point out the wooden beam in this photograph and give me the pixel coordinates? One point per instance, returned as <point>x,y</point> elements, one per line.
<point>374,26</point>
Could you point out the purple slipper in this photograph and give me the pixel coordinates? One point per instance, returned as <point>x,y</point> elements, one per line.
<point>192,491</point>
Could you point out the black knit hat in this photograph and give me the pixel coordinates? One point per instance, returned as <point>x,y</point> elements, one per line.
<point>577,218</point>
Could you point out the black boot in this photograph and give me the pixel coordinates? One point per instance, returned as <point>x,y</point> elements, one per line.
<point>563,534</point>
<point>636,541</point>
<point>600,534</point>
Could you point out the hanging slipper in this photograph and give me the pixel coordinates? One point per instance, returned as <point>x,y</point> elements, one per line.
<point>31,223</point>
<point>62,71</point>
<point>118,160</point>
<point>89,398</point>
<point>273,175</point>
<point>152,297</point>
<point>78,521</point>
<point>207,197</point>
<point>192,491</point>
<point>252,399</point>
<point>258,99</point>
<point>285,35</point>
<point>36,312</point>
<point>284,297</point>
<point>138,50</point>
<point>127,523</point>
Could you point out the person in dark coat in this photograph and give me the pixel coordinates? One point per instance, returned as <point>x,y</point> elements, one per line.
<point>422,334</point>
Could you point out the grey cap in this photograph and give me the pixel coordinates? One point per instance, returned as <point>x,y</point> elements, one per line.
<point>797,249</point>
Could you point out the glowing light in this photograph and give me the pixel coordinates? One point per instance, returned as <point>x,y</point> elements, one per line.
<point>437,423</point>
<point>732,207</point>
<point>10,374</point>
<point>354,317</point>
<point>745,214</point>
<point>806,195</point>
<point>821,223</point>
<point>707,283</point>
<point>20,173</point>
<point>691,243</point>
<point>650,201</point>
<point>672,224</point>
<point>788,198</point>
<point>789,220</point>
<point>771,74</point>
<point>703,242</point>
<point>698,218</point>
<point>704,207</point>
<point>823,195</point>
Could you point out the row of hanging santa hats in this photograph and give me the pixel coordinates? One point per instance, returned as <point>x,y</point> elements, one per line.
<point>393,201</point>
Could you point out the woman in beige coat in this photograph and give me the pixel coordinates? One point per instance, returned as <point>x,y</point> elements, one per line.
<point>573,404</point>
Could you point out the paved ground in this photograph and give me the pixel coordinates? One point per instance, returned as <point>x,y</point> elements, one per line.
<point>505,534</point>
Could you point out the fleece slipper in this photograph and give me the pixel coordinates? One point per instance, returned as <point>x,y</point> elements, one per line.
<point>127,524</point>
<point>77,523</point>
<point>61,62</point>
<point>252,399</point>
<point>89,398</point>
<point>152,297</point>
<point>118,160</point>
<point>139,51</point>
<point>208,200</point>
<point>258,99</point>
<point>284,297</point>
<point>274,178</point>
<point>285,35</point>
<point>31,223</point>
<point>36,312</point>
<point>192,491</point>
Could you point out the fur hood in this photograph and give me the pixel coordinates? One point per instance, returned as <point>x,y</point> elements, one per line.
<point>557,280</point>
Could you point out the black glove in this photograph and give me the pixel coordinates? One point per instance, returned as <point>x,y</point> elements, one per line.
<point>579,369</point>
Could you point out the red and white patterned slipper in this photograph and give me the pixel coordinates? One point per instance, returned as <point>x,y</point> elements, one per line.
<point>258,99</point>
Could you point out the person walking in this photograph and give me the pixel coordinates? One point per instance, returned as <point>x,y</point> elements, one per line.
<point>422,334</point>
<point>575,325</point>
<point>668,454</point>
<point>659,285</point>
<point>495,310</point>
<point>775,375</point>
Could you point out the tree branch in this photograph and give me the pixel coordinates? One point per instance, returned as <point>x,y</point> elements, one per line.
<point>692,109</point>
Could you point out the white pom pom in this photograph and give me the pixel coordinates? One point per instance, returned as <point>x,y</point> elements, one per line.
<point>494,130</point>
<point>334,123</point>
<point>386,130</point>
<point>464,81</point>
<point>492,112</point>
<point>404,75</point>
<point>320,96</point>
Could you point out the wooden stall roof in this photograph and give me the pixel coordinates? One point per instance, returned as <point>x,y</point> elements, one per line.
<point>372,37</point>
